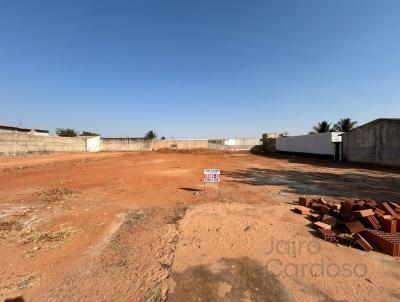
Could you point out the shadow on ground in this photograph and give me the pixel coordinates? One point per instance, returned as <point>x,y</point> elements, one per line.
<point>355,184</point>
<point>324,162</point>
<point>17,299</point>
<point>237,279</point>
<point>190,189</point>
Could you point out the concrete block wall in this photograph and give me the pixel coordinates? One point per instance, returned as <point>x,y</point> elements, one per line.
<point>16,143</point>
<point>126,144</point>
<point>181,144</point>
<point>21,143</point>
<point>377,142</point>
<point>235,144</point>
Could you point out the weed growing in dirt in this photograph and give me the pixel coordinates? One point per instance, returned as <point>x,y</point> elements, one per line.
<point>52,238</point>
<point>55,195</point>
<point>133,217</point>
<point>153,294</point>
<point>9,226</point>
<point>29,280</point>
<point>179,213</point>
<point>12,224</point>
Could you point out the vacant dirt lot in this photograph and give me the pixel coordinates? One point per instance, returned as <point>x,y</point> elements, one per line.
<point>139,227</point>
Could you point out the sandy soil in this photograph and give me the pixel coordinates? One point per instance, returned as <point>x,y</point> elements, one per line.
<point>139,227</point>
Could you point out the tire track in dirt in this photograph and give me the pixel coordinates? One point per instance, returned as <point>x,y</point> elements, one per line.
<point>133,261</point>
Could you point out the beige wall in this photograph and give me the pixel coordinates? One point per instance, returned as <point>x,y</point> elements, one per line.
<point>235,144</point>
<point>17,143</point>
<point>126,144</point>
<point>140,144</point>
<point>181,144</point>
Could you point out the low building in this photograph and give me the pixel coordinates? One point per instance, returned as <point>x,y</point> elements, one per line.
<point>377,142</point>
<point>12,129</point>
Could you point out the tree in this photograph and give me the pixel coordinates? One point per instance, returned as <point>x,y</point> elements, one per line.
<point>322,127</point>
<point>344,125</point>
<point>88,133</point>
<point>163,137</point>
<point>150,135</point>
<point>67,132</point>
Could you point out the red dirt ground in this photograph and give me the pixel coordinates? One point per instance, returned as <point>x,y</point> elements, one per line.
<point>139,227</point>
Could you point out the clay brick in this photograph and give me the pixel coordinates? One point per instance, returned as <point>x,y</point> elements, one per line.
<point>331,205</point>
<point>345,239</point>
<point>302,210</point>
<point>355,226</point>
<point>360,241</point>
<point>325,209</point>
<point>321,225</point>
<point>304,201</point>
<point>389,225</point>
<point>320,207</point>
<point>364,213</point>
<point>388,243</point>
<point>379,212</point>
<point>328,219</point>
<point>373,222</point>
<point>369,203</point>
<point>327,235</point>
<point>347,206</point>
<point>346,209</point>
<point>315,217</point>
<point>394,206</point>
<point>386,208</point>
<point>337,206</point>
<point>358,204</point>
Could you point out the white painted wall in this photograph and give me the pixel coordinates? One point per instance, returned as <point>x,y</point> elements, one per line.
<point>320,143</point>
<point>243,142</point>
<point>93,144</point>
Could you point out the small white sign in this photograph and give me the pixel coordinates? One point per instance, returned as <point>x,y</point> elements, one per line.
<point>212,175</point>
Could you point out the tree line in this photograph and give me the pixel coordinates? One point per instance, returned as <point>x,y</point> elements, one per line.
<point>343,125</point>
<point>69,132</point>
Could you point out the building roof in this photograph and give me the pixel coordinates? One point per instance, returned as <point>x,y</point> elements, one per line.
<point>13,128</point>
<point>41,130</point>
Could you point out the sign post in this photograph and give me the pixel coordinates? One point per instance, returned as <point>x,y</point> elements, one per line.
<point>212,176</point>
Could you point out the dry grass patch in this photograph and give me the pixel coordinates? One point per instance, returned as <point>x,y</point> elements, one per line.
<point>49,238</point>
<point>11,225</point>
<point>55,195</point>
<point>15,283</point>
<point>134,217</point>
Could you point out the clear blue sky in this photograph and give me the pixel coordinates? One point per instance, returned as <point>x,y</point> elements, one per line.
<point>197,69</point>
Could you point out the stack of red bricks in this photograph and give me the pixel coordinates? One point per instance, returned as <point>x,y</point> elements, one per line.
<point>365,223</point>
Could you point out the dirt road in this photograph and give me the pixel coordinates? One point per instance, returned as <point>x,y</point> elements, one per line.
<point>139,227</point>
